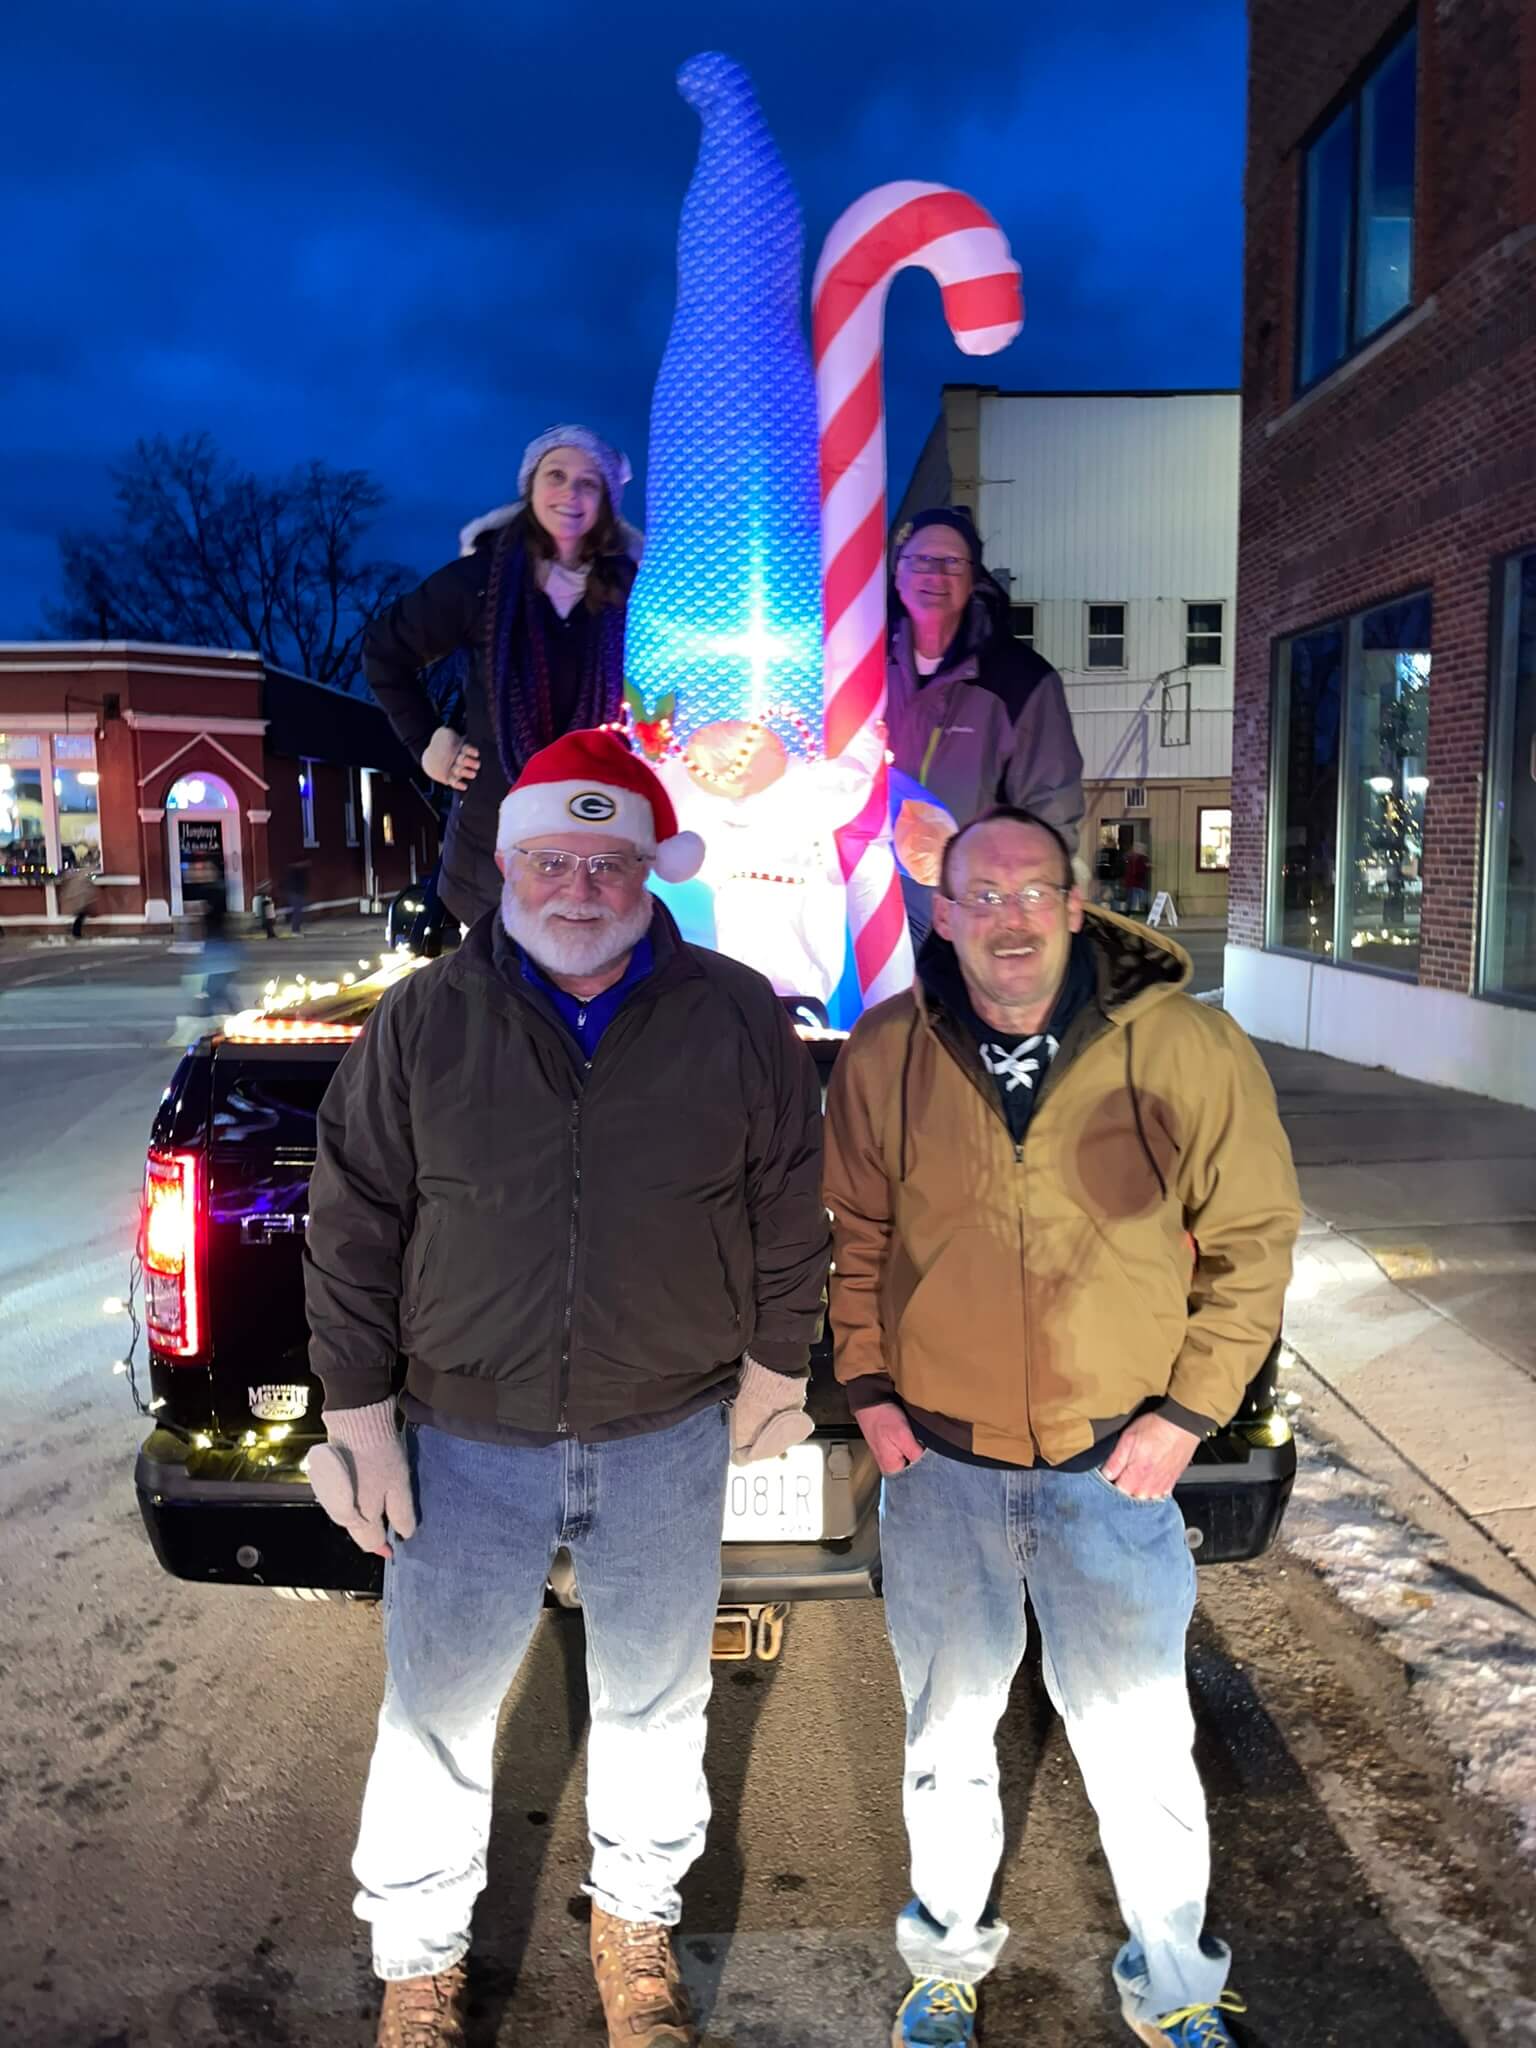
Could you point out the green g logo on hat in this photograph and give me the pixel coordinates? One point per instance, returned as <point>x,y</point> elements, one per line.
<point>592,807</point>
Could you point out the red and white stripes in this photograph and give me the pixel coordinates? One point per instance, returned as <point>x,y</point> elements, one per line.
<point>893,228</point>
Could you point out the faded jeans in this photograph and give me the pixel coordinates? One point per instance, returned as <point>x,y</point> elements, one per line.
<point>1113,1586</point>
<point>642,1519</point>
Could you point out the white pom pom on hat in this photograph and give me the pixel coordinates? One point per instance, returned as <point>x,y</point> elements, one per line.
<point>591,782</point>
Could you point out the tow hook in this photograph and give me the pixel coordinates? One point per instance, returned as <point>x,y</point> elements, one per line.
<point>743,1632</point>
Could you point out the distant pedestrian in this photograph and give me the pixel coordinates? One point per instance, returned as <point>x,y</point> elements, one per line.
<point>210,984</point>
<point>973,715</point>
<point>1108,870</point>
<point>77,897</point>
<point>1138,877</point>
<point>537,599</point>
<point>1019,1153</point>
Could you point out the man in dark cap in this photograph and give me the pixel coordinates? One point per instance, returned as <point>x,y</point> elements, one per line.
<point>975,717</point>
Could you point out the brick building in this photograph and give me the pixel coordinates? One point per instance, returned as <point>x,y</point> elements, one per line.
<point>1383,881</point>
<point>133,761</point>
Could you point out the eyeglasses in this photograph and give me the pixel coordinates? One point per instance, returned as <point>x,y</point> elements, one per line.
<point>993,902</point>
<point>937,565</point>
<point>607,870</point>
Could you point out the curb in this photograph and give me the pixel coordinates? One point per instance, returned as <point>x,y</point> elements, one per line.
<point>1456,1413</point>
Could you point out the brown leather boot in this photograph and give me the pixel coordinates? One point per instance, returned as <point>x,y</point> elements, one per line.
<point>424,2012</point>
<point>638,1980</point>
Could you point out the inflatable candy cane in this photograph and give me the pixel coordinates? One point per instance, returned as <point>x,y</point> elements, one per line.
<point>892,228</point>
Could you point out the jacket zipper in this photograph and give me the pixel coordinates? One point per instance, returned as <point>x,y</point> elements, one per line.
<point>939,734</point>
<point>1029,1418</point>
<point>562,1424</point>
<point>561,1428</point>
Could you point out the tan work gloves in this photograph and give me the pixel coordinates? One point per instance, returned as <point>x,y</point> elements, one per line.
<point>769,1415</point>
<point>451,760</point>
<point>361,1477</point>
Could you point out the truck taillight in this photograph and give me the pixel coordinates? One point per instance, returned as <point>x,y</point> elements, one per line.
<point>171,1249</point>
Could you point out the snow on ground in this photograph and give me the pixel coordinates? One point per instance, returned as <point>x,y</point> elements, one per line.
<point>1471,1656</point>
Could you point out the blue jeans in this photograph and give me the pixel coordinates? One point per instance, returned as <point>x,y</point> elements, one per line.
<point>642,1520</point>
<point>1113,1587</point>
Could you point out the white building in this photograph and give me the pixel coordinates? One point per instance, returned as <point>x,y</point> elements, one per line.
<point>1111,517</point>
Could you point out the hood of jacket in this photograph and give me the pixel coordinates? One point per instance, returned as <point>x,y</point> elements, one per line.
<point>1134,968</point>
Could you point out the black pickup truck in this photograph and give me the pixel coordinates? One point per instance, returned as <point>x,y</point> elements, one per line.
<point>235,1409</point>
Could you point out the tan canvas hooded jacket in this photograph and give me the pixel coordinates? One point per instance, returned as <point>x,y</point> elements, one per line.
<point>1043,1293</point>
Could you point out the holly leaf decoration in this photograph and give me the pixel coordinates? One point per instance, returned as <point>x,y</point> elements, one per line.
<point>652,731</point>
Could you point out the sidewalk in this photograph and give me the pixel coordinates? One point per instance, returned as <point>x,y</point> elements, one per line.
<point>1414,1299</point>
<point>323,924</point>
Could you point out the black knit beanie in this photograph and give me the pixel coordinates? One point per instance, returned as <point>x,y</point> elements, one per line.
<point>956,518</point>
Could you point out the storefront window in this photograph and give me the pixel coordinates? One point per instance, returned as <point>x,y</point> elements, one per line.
<point>1388,739</point>
<point>1509,926</point>
<point>1350,738</point>
<point>49,809</point>
<point>1305,804</point>
<point>1213,843</point>
<point>23,833</point>
<point>75,783</point>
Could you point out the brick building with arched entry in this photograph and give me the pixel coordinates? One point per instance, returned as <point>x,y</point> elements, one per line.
<point>136,762</point>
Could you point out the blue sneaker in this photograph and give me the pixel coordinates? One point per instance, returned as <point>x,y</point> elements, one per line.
<point>1192,2026</point>
<point>936,2013</point>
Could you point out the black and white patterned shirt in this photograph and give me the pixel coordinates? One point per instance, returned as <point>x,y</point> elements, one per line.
<point>1017,1065</point>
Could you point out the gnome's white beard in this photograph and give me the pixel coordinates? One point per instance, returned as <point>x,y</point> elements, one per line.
<point>587,939</point>
<point>778,895</point>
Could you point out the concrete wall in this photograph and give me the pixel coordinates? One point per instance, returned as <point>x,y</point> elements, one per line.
<point>1429,1034</point>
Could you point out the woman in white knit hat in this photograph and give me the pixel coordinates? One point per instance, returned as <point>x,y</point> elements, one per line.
<point>537,602</point>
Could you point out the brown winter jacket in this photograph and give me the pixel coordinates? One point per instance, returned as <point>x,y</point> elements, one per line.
<point>562,1246</point>
<point>1042,1294</point>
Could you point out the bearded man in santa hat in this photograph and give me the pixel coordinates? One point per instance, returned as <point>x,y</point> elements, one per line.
<point>571,1176</point>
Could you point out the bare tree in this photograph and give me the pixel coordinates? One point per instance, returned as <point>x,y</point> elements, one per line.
<point>209,555</point>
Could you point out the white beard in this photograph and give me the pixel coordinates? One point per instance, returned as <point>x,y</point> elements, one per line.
<point>596,943</point>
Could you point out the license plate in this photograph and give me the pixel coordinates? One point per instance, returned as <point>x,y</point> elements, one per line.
<point>778,1501</point>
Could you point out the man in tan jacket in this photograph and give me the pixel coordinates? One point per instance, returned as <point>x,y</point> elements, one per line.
<point>1019,1153</point>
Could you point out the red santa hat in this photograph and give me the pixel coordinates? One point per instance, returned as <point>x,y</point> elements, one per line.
<point>591,782</point>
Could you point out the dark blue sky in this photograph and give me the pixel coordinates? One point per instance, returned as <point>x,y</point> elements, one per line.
<point>405,236</point>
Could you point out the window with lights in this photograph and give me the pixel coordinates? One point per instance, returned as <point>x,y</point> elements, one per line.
<point>1348,748</point>
<point>50,819</point>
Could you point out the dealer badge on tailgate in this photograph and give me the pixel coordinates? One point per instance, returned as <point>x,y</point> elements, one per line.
<point>278,1404</point>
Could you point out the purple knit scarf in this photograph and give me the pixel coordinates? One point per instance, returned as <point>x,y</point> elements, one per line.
<point>518,660</point>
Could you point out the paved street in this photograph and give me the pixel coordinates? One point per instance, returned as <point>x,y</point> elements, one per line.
<point>180,1767</point>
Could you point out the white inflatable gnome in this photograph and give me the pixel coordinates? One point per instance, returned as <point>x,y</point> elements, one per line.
<point>769,821</point>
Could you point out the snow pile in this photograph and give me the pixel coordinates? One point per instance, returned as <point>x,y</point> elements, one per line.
<point>1471,1656</point>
